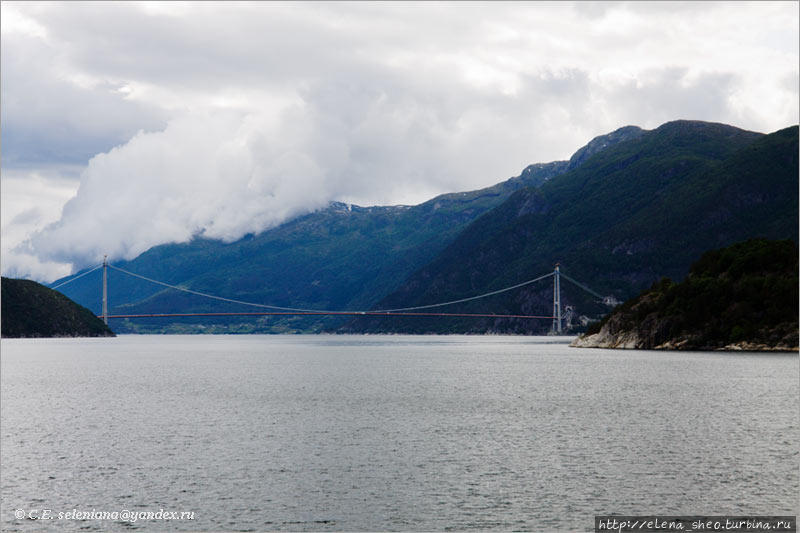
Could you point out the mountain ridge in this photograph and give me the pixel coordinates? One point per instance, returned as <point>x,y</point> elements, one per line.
<point>623,219</point>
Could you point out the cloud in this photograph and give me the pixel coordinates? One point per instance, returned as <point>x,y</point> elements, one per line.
<point>672,93</point>
<point>224,173</point>
<point>30,203</point>
<point>49,119</point>
<point>203,119</point>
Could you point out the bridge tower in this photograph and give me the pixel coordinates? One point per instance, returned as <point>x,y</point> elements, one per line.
<point>557,300</point>
<point>105,289</point>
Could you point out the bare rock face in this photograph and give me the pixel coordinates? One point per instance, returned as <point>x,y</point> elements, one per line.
<point>632,341</point>
<point>622,331</point>
<point>624,340</point>
<point>600,143</point>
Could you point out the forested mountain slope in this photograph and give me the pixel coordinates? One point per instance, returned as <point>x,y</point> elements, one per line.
<point>30,309</point>
<point>743,297</point>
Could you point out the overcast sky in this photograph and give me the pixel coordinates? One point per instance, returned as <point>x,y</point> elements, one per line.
<point>126,125</point>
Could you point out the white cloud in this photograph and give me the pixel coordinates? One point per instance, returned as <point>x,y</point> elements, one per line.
<point>49,118</point>
<point>29,202</point>
<point>250,113</point>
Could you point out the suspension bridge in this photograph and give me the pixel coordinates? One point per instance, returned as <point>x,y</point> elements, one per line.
<point>415,311</point>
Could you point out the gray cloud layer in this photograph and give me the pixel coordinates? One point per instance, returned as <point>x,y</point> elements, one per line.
<point>223,119</point>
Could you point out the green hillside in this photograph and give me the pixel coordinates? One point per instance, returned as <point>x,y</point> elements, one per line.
<point>741,297</point>
<point>629,215</point>
<point>32,310</point>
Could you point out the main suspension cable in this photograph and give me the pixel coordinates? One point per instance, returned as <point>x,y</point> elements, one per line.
<point>518,285</point>
<point>303,310</point>
<point>582,286</point>
<point>77,277</point>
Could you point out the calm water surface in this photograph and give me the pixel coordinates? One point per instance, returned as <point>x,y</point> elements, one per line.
<point>402,433</point>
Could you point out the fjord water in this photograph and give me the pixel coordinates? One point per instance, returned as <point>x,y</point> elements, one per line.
<point>390,432</point>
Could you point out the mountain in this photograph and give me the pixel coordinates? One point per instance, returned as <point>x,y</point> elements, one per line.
<point>741,297</point>
<point>33,310</point>
<point>340,257</point>
<point>630,214</point>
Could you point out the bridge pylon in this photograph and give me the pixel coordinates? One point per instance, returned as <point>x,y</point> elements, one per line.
<point>557,300</point>
<point>105,289</point>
